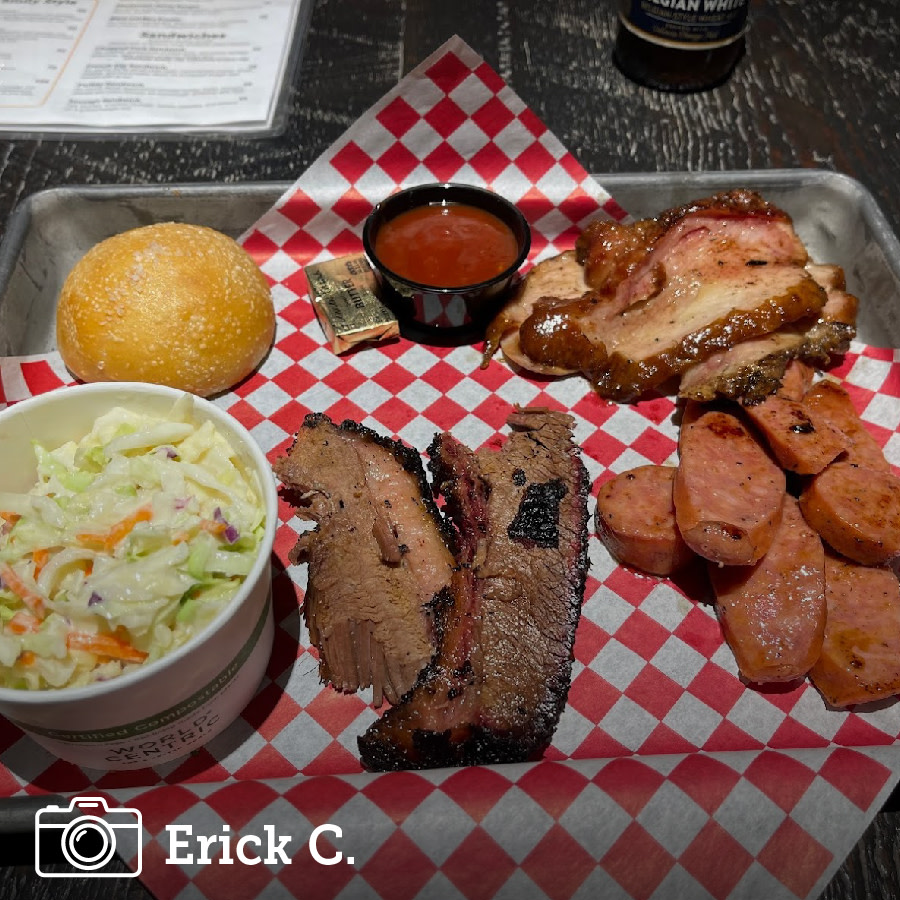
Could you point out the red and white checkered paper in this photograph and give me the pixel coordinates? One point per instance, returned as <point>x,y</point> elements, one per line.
<point>667,777</point>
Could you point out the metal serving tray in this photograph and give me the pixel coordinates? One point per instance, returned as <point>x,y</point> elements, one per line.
<point>836,216</point>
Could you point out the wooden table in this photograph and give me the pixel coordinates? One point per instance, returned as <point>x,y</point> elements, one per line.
<point>819,87</point>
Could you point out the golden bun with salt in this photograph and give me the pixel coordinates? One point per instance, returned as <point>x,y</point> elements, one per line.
<point>174,304</point>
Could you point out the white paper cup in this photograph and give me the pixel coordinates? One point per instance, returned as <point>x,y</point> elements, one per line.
<point>167,708</point>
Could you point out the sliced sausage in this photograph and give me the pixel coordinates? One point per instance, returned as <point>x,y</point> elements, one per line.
<point>773,614</point>
<point>690,412</point>
<point>797,380</point>
<point>728,492</point>
<point>857,511</point>
<point>860,658</point>
<point>829,400</point>
<point>635,519</point>
<point>801,439</point>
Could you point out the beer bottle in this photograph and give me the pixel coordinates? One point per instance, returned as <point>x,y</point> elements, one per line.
<point>680,45</point>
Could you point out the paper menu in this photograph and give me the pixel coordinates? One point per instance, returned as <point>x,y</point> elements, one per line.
<point>100,66</point>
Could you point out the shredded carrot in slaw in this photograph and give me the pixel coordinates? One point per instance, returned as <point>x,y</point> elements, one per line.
<point>23,622</point>
<point>114,536</point>
<point>40,558</point>
<point>104,645</point>
<point>217,529</point>
<point>29,596</point>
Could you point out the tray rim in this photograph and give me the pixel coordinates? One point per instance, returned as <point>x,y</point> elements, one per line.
<point>19,221</point>
<point>12,236</point>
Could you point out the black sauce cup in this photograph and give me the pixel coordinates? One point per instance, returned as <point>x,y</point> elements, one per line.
<point>439,315</point>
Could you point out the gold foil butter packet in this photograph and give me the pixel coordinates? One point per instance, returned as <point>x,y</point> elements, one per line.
<point>343,295</point>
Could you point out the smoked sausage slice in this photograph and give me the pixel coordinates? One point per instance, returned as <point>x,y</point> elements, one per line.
<point>635,519</point>
<point>832,402</point>
<point>797,380</point>
<point>728,492</point>
<point>857,511</point>
<point>773,614</point>
<point>801,439</point>
<point>860,658</point>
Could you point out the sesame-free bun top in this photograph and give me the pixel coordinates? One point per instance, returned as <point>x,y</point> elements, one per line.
<point>173,304</point>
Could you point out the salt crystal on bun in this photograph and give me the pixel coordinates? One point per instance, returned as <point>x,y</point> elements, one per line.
<point>174,304</point>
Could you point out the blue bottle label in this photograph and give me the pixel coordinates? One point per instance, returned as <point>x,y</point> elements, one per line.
<point>688,24</point>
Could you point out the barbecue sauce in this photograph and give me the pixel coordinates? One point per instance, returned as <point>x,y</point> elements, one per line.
<point>680,45</point>
<point>446,245</point>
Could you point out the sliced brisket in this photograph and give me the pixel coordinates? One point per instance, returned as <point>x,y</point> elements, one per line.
<point>499,683</point>
<point>379,558</point>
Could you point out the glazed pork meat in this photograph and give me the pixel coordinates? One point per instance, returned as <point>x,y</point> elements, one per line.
<point>380,558</point>
<point>554,281</point>
<point>752,370</point>
<point>499,683</point>
<point>668,293</point>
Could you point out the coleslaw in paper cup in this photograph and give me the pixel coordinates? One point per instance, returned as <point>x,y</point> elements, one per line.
<point>135,578</point>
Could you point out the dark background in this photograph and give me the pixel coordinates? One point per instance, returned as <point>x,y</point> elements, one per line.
<point>818,87</point>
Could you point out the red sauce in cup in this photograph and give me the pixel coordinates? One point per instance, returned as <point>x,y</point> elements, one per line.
<point>446,245</point>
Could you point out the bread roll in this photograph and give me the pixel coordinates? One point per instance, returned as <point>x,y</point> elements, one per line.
<point>174,304</point>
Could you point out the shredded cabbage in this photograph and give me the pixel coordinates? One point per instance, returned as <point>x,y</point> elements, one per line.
<point>130,543</point>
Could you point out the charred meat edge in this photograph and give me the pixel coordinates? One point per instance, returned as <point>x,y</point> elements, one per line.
<point>449,689</point>
<point>751,370</point>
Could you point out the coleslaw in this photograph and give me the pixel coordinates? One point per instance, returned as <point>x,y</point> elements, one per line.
<point>130,543</point>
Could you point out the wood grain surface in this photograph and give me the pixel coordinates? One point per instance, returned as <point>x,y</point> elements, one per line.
<point>818,87</point>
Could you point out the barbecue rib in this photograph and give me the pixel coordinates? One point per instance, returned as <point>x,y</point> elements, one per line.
<point>379,560</point>
<point>499,683</point>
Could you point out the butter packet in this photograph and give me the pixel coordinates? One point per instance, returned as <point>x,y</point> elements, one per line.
<point>343,295</point>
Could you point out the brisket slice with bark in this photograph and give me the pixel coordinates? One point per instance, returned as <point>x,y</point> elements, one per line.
<point>379,559</point>
<point>498,685</point>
